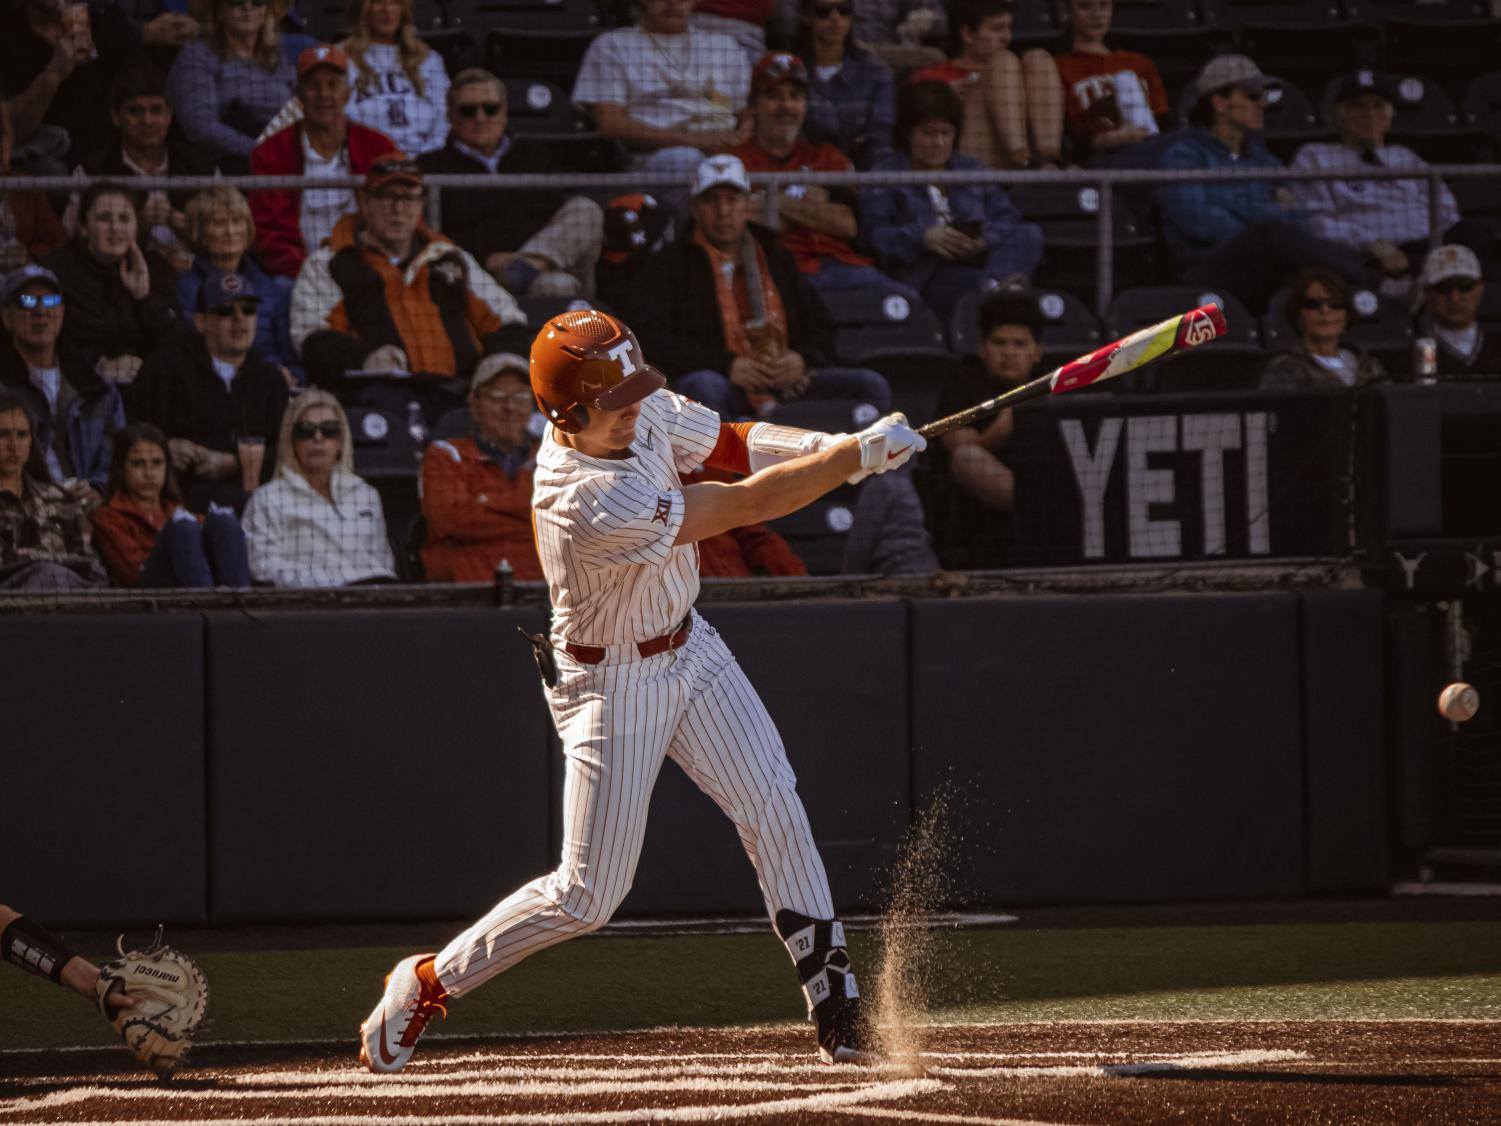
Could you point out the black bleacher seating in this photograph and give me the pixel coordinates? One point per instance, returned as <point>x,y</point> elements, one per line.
<point>1172,33</point>
<point>1482,104</point>
<point>541,113</point>
<point>1070,329</point>
<point>1426,11</point>
<point>818,532</point>
<point>1292,121</point>
<point>1479,200</point>
<point>1380,325</point>
<point>873,319</point>
<point>532,38</point>
<point>1489,313</point>
<point>1035,23</point>
<point>539,309</point>
<point>453,424</point>
<point>1233,362</point>
<point>1302,40</point>
<point>1426,120</point>
<point>916,376</point>
<point>831,416</point>
<point>1069,218</point>
<point>384,448</point>
<point>1451,53</point>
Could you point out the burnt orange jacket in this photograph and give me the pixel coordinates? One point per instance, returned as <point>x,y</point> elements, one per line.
<point>476,515</point>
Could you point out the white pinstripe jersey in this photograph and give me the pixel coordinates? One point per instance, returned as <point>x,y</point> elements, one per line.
<point>605,527</point>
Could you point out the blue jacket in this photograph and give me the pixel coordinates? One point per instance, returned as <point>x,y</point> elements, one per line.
<point>1197,217</point>
<point>273,322</point>
<point>92,409</point>
<point>854,110</point>
<point>894,217</point>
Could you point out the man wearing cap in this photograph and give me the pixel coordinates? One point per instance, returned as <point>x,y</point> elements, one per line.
<point>219,404</point>
<point>76,409</point>
<point>290,225</point>
<point>534,240</point>
<point>1244,235</point>
<point>477,490</point>
<point>1452,292</point>
<point>1385,219</point>
<point>728,316</point>
<point>386,293</point>
<point>667,91</point>
<point>817,223</point>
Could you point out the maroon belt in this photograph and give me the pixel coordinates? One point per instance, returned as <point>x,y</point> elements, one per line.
<point>594,654</point>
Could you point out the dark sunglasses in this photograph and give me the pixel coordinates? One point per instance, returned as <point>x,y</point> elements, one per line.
<point>1252,95</point>
<point>244,308</point>
<point>245,3</point>
<point>824,11</point>
<point>1464,285</point>
<point>307,431</point>
<point>1312,303</point>
<point>474,109</point>
<point>39,300</point>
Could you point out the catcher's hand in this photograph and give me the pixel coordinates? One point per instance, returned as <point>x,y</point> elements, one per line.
<point>165,998</point>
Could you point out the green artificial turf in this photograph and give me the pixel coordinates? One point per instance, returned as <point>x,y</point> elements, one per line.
<point>1338,971</point>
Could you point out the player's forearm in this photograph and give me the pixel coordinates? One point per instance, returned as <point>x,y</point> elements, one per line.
<point>711,508</point>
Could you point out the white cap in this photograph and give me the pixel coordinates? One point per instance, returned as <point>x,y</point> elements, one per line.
<point>722,169</point>
<point>492,366</point>
<point>1450,261</point>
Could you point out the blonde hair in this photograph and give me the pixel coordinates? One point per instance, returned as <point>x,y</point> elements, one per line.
<point>286,456</point>
<point>409,48</point>
<point>266,52</point>
<point>206,204</point>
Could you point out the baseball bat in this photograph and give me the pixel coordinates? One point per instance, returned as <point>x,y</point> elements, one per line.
<point>1176,334</point>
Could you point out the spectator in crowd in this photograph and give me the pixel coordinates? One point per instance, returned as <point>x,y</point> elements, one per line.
<point>389,293</point>
<point>44,527</point>
<point>400,86</point>
<point>888,529</point>
<point>221,230</point>
<point>1386,220</point>
<point>291,31</point>
<point>817,223</point>
<point>851,104</point>
<point>727,316</point>
<point>218,402</point>
<point>1112,99</point>
<point>744,21</point>
<point>895,32</point>
<point>144,146</point>
<point>317,524</point>
<point>163,24</point>
<point>74,410</point>
<point>122,298</point>
<point>636,226</point>
<point>1001,96</point>
<point>536,242</point>
<point>57,63</point>
<point>324,144</point>
<point>1452,291</point>
<point>1318,312</point>
<point>947,240</point>
<point>753,549</point>
<point>1243,235</point>
<point>29,229</point>
<point>477,490</point>
<point>668,91</point>
<point>227,85</point>
<point>145,535</point>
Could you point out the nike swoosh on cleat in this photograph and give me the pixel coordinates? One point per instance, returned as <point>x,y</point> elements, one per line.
<point>386,1057</point>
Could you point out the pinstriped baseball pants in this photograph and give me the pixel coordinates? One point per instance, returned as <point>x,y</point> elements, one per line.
<point>617,723</point>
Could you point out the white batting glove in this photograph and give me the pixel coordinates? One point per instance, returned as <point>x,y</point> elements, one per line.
<point>886,445</point>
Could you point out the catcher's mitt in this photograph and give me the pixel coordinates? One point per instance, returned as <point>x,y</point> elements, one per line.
<point>166,998</point>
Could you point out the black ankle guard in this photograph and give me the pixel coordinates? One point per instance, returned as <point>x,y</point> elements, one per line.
<point>34,948</point>
<point>817,949</point>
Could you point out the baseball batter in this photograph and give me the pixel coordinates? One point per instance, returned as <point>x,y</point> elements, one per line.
<point>633,674</point>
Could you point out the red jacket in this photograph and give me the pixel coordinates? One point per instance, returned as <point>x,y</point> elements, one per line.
<point>278,237</point>
<point>124,535</point>
<point>476,515</point>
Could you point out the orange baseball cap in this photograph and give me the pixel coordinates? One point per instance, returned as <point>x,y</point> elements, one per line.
<point>322,55</point>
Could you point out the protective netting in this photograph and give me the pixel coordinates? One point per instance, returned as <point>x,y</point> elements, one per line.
<point>809,213</point>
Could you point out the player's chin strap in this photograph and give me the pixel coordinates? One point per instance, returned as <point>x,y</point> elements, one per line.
<point>823,964</point>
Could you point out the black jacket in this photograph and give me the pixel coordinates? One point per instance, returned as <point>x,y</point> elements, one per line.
<point>675,311</point>
<point>183,159</point>
<point>1485,361</point>
<point>482,221</point>
<point>178,390</point>
<point>102,318</point>
<point>88,412</point>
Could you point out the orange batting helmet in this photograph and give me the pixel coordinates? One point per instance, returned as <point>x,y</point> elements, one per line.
<point>588,359</point>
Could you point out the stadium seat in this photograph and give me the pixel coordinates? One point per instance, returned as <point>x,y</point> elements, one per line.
<point>1380,325</point>
<point>1034,24</point>
<point>454,424</point>
<point>1450,52</point>
<point>1482,104</point>
<point>916,378</point>
<point>1069,217</point>
<point>1489,313</point>
<point>541,113</point>
<point>538,309</point>
<point>1069,326</point>
<point>831,416</point>
<point>1231,363</point>
<point>870,319</point>
<point>1426,120</point>
<point>1292,121</point>
<point>1479,199</point>
<point>325,19</point>
<point>531,38</point>
<point>819,531</point>
<point>1172,33</point>
<point>384,447</point>
<point>1304,41</point>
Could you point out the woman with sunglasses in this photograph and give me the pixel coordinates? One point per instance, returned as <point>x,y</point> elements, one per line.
<point>850,101</point>
<point>317,524</point>
<point>230,82</point>
<point>144,534</point>
<point>1318,312</point>
<point>44,528</point>
<point>397,83</point>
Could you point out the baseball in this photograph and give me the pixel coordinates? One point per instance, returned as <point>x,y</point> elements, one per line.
<point>1459,702</point>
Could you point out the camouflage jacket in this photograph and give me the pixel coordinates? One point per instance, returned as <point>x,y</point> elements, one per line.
<point>51,522</point>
